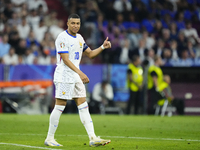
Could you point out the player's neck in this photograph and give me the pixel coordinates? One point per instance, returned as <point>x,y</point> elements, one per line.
<point>69,32</point>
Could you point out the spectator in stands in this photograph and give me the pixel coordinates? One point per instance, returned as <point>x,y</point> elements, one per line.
<point>166,37</point>
<point>191,50</point>
<point>167,55</point>
<point>4,46</point>
<point>17,4</point>
<point>20,60</point>
<point>191,33</point>
<point>174,3</point>
<point>141,12</point>
<point>141,51</point>
<point>182,41</point>
<point>102,96</point>
<point>173,31</point>
<point>148,23</point>
<point>31,39</point>
<point>35,4</point>
<point>8,11</point>
<point>51,19</point>
<point>134,36</point>
<point>33,19</point>
<point>2,22</point>
<point>40,11</point>
<point>185,59</point>
<point>166,21</point>
<point>158,49</point>
<point>35,49</point>
<point>11,58</point>
<point>15,20</point>
<point>91,12</point>
<point>100,25</point>
<point>57,28</point>
<point>122,6</point>
<point>14,38</point>
<point>29,57</point>
<point>40,30</point>
<point>119,22</point>
<point>21,48</point>
<point>52,48</point>
<point>23,10</point>
<point>173,47</point>
<point>123,52</point>
<point>157,30</point>
<point>149,40</point>
<point>110,11</point>
<point>46,40</point>
<point>117,37</point>
<point>44,58</point>
<point>23,28</point>
<point>180,21</point>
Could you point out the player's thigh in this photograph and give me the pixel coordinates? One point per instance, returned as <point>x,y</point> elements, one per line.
<point>79,90</point>
<point>79,94</point>
<point>64,91</point>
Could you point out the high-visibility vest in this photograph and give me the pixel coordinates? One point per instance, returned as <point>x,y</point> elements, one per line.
<point>159,76</point>
<point>137,76</point>
<point>161,87</point>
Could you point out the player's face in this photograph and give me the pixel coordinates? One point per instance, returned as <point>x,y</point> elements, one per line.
<point>73,25</point>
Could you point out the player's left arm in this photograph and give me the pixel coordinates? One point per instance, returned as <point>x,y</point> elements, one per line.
<point>93,53</point>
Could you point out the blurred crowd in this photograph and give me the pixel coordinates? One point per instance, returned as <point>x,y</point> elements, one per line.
<point>166,28</point>
<point>27,32</point>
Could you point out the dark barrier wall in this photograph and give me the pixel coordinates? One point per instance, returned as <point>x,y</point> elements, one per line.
<point>183,74</point>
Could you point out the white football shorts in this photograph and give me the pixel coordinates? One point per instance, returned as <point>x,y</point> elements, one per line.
<point>68,91</point>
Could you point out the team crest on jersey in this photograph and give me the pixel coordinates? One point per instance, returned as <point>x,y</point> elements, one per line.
<point>62,45</point>
<point>80,44</point>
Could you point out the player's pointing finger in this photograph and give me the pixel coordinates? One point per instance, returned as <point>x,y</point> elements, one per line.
<point>106,39</point>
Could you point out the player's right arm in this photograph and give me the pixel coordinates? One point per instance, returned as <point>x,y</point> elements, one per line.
<point>65,58</point>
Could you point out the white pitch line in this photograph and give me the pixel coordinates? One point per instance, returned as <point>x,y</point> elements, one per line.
<point>28,146</point>
<point>119,137</point>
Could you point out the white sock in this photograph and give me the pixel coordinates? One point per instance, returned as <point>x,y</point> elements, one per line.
<point>86,119</point>
<point>54,120</point>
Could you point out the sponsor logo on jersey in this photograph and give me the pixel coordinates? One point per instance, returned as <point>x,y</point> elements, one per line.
<point>62,45</point>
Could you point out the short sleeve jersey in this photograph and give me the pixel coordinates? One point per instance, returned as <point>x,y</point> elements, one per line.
<point>74,46</point>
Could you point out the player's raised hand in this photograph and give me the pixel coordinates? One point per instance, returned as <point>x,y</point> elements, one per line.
<point>106,44</point>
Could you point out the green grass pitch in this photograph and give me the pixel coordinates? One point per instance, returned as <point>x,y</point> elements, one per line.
<point>26,132</point>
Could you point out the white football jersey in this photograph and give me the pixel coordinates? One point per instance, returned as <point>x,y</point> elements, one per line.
<point>75,46</point>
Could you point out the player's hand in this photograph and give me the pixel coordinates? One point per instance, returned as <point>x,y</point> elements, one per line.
<point>106,44</point>
<point>83,77</point>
